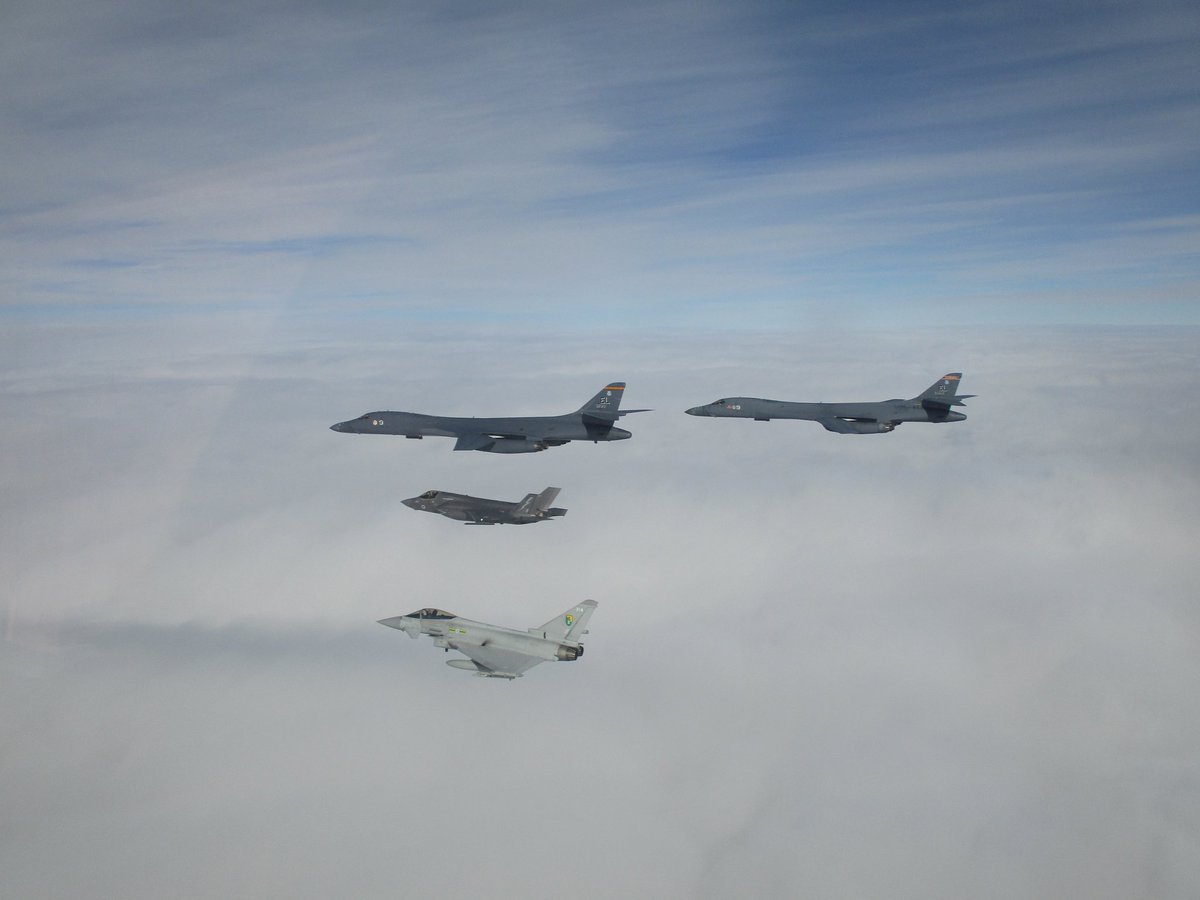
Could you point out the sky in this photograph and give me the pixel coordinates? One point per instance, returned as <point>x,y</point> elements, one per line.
<point>659,164</point>
<point>953,660</point>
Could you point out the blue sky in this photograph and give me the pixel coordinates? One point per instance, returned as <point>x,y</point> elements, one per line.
<point>644,164</point>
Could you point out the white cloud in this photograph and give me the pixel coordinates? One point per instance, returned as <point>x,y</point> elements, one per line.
<point>886,666</point>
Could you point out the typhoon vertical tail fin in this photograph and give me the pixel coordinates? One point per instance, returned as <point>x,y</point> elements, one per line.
<point>570,625</point>
<point>944,391</point>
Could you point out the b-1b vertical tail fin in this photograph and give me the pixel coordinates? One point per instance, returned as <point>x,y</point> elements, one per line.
<point>570,625</point>
<point>533,504</point>
<point>944,391</point>
<point>605,405</point>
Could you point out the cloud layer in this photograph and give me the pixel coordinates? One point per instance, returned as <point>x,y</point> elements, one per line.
<point>954,659</point>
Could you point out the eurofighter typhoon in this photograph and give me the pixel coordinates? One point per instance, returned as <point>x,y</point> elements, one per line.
<point>932,405</point>
<point>482,511</point>
<point>594,421</point>
<point>493,651</point>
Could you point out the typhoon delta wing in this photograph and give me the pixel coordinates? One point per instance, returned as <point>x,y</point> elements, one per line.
<point>594,421</point>
<point>494,651</point>
<point>931,405</point>
<point>482,511</point>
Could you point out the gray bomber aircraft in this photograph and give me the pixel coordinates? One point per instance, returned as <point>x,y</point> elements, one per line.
<point>594,421</point>
<point>932,405</point>
<point>481,511</point>
<point>496,652</point>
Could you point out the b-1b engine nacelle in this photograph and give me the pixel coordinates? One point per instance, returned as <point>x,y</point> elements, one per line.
<point>842,426</point>
<point>515,445</point>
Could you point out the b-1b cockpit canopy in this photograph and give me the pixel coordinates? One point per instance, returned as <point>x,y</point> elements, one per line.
<point>430,613</point>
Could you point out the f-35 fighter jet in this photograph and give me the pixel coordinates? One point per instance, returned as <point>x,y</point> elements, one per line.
<point>481,511</point>
<point>496,652</point>
<point>932,405</point>
<point>594,421</point>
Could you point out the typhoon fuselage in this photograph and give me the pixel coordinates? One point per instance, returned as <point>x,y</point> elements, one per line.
<point>494,651</point>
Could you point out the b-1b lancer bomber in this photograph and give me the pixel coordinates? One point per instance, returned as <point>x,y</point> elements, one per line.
<point>481,511</point>
<point>594,421</point>
<point>496,652</point>
<point>932,405</point>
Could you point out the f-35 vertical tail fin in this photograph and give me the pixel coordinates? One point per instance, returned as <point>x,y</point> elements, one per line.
<point>568,626</point>
<point>944,392</point>
<point>533,504</point>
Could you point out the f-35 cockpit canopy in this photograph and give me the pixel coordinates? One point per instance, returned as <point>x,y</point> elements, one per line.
<point>429,495</point>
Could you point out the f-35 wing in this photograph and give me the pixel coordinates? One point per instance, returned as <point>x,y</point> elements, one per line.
<point>478,518</point>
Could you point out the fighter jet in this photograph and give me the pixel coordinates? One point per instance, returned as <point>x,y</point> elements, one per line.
<point>496,652</point>
<point>932,405</point>
<point>481,511</point>
<point>594,421</point>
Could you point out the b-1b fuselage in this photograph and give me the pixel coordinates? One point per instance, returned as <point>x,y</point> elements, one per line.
<point>594,421</point>
<point>933,405</point>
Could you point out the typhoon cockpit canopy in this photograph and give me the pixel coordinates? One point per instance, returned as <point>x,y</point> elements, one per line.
<point>430,613</point>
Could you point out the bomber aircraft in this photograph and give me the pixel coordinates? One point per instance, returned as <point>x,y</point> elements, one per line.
<point>932,405</point>
<point>594,421</point>
<point>481,511</point>
<point>496,652</point>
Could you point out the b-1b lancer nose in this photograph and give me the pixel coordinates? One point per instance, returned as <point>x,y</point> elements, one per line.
<point>697,411</point>
<point>340,426</point>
